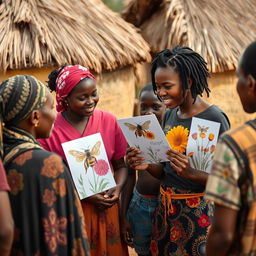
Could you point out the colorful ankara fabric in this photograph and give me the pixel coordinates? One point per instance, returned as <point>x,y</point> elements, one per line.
<point>180,226</point>
<point>46,209</point>
<point>232,183</point>
<point>102,227</point>
<point>67,79</point>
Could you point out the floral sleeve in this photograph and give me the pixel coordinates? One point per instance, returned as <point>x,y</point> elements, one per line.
<point>222,186</point>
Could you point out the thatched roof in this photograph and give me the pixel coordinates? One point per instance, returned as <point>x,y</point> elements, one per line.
<point>37,33</point>
<point>218,29</point>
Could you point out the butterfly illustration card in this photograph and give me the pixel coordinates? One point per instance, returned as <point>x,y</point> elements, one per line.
<point>146,134</point>
<point>202,142</point>
<point>89,166</point>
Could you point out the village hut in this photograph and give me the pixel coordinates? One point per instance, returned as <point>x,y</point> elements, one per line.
<point>38,36</point>
<point>219,30</point>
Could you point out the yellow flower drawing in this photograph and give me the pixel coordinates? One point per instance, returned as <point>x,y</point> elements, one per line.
<point>178,138</point>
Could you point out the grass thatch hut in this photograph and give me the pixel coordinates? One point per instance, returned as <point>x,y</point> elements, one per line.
<point>219,30</point>
<point>37,36</point>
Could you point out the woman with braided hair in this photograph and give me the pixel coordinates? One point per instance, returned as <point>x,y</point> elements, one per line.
<point>46,209</point>
<point>182,219</point>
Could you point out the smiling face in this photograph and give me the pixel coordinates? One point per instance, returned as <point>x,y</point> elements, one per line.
<point>169,87</point>
<point>150,104</point>
<point>83,98</point>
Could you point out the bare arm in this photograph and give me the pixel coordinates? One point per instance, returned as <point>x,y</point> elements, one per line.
<point>127,192</point>
<point>126,196</point>
<point>6,224</point>
<point>222,231</point>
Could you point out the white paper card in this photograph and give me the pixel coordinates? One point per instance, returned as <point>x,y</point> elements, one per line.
<point>89,166</point>
<point>202,142</point>
<point>146,134</point>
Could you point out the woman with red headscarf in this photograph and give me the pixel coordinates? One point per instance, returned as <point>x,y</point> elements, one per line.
<point>77,97</point>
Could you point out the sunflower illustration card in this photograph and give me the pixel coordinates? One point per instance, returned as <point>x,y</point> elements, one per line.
<point>146,134</point>
<point>89,166</point>
<point>202,142</point>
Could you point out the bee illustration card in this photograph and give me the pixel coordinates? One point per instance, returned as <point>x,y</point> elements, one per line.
<point>89,166</point>
<point>146,134</point>
<point>202,142</point>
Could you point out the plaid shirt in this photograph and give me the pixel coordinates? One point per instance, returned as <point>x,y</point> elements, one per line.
<point>232,183</point>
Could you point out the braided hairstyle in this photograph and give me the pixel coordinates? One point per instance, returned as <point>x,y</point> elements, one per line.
<point>53,77</point>
<point>188,64</point>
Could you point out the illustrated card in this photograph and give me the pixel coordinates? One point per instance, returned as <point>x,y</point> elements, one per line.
<point>202,142</point>
<point>89,166</point>
<point>146,134</point>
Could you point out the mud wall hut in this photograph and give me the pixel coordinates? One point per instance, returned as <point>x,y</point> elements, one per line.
<point>219,30</point>
<point>38,36</point>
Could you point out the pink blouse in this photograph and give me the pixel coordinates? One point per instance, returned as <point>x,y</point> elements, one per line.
<point>100,122</point>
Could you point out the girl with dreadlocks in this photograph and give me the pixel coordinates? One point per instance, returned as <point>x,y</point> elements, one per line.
<point>182,219</point>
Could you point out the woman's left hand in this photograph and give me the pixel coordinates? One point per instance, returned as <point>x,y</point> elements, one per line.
<point>112,195</point>
<point>180,163</point>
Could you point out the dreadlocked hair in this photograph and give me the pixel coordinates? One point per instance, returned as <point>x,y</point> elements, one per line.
<point>189,65</point>
<point>53,77</point>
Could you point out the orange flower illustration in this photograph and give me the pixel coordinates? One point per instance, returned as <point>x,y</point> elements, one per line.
<point>149,135</point>
<point>53,167</point>
<point>191,154</point>
<point>202,135</point>
<point>211,137</point>
<point>178,138</point>
<point>22,158</point>
<point>15,181</point>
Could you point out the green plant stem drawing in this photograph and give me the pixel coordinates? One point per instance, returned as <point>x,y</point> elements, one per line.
<point>81,188</point>
<point>153,155</point>
<point>98,186</point>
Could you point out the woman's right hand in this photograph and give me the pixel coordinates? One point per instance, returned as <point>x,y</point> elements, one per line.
<point>135,161</point>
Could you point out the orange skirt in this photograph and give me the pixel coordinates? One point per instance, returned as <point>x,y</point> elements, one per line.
<point>103,231</point>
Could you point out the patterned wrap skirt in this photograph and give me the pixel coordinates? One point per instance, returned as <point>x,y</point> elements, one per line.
<point>181,223</point>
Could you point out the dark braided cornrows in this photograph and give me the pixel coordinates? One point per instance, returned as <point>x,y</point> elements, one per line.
<point>188,64</point>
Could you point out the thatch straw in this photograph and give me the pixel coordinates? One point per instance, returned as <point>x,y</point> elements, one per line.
<point>55,32</point>
<point>219,30</point>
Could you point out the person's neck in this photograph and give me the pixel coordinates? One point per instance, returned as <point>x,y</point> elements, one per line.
<point>74,119</point>
<point>78,122</point>
<point>192,108</point>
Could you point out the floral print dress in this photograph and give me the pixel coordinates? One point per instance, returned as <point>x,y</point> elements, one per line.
<point>46,209</point>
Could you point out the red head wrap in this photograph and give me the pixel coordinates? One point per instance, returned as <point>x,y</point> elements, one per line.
<point>67,79</point>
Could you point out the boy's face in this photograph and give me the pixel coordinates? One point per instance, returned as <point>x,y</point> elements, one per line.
<point>150,104</point>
